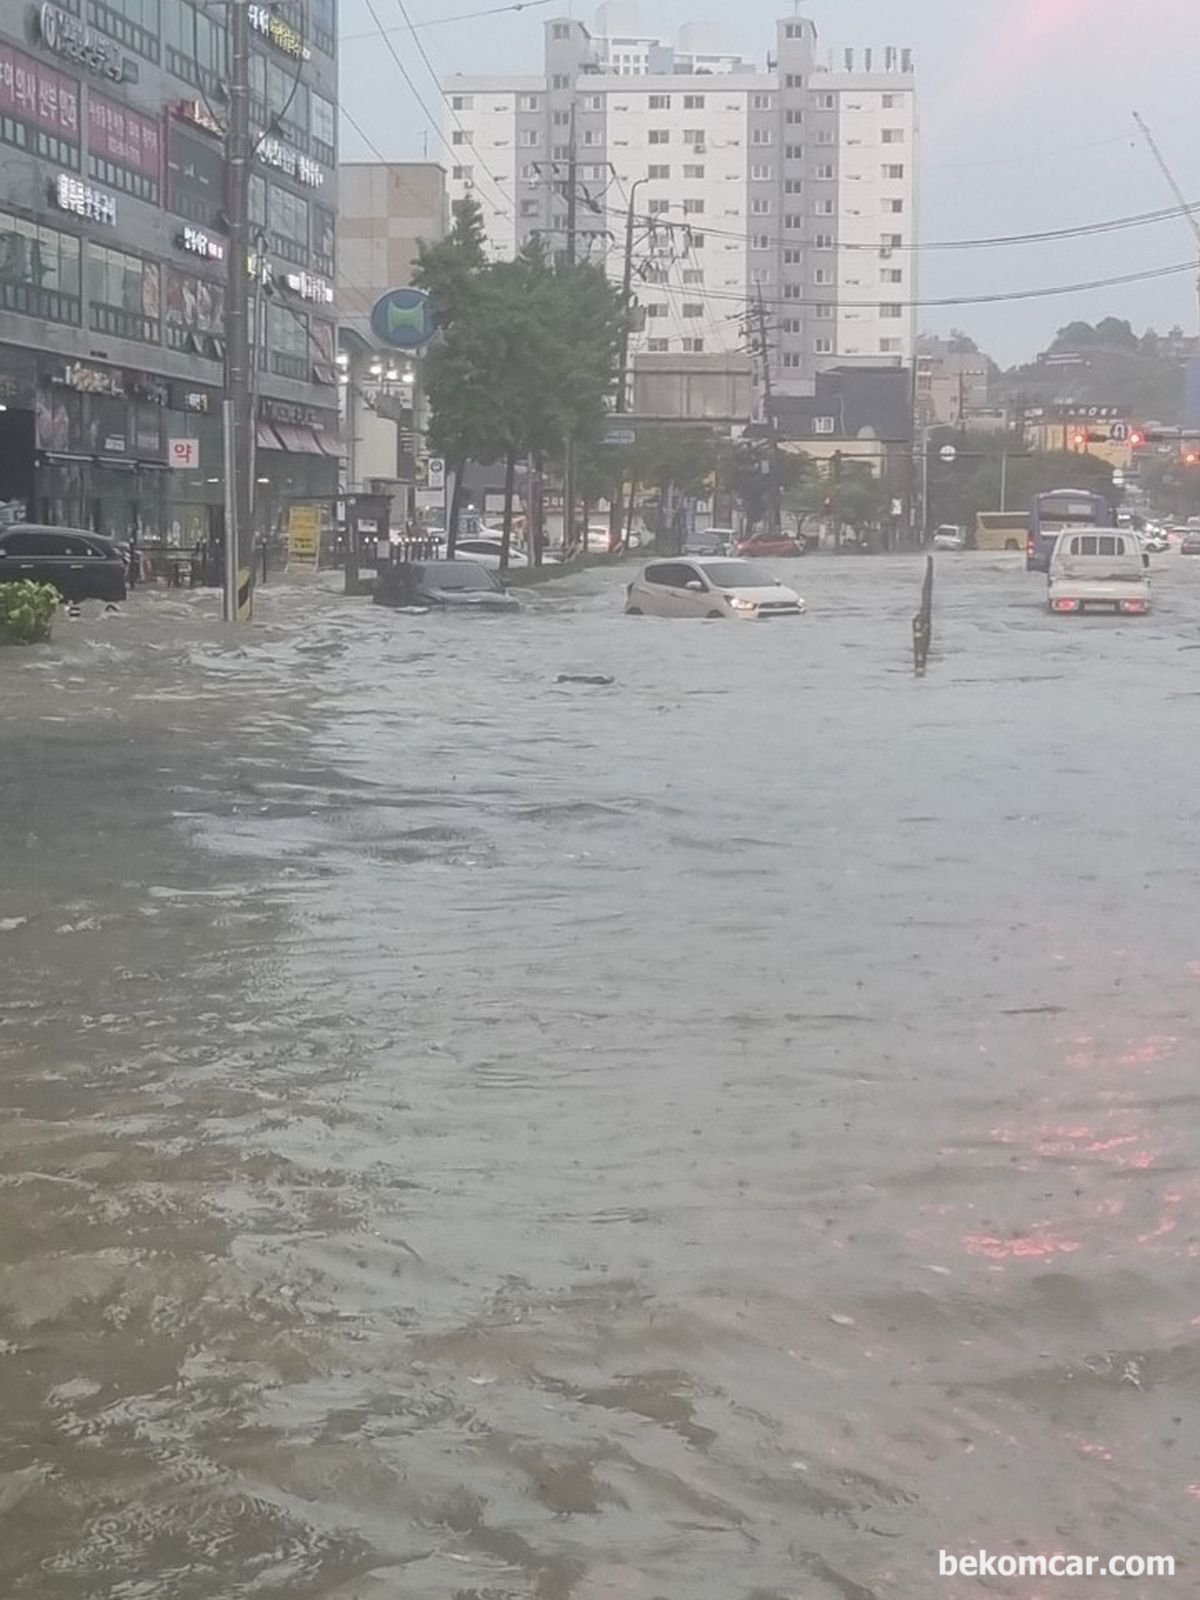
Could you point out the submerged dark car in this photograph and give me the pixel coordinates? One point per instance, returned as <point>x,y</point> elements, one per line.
<point>453,585</point>
<point>80,565</point>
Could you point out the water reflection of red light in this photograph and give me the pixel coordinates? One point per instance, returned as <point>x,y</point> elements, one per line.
<point>1035,1245</point>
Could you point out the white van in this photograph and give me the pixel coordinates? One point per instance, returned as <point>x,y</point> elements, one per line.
<point>1099,569</point>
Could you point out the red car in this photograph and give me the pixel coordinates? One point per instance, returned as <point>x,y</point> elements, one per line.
<point>772,546</point>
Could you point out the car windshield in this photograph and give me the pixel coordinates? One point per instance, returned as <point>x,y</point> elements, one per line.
<point>736,574</point>
<point>455,575</point>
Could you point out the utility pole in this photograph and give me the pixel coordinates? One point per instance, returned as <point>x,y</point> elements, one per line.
<point>572,242</point>
<point>237,411</point>
<point>763,348</point>
<point>616,515</point>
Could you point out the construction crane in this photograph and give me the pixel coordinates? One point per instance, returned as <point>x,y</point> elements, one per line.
<point>1187,211</point>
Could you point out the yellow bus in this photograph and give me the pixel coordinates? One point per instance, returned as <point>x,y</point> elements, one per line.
<point>1000,530</point>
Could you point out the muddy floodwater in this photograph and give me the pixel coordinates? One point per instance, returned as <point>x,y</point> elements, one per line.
<point>723,1135</point>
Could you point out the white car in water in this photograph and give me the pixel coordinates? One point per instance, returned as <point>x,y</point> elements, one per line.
<point>485,552</point>
<point>710,586</point>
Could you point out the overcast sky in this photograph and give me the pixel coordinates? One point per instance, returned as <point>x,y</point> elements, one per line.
<point>1025,109</point>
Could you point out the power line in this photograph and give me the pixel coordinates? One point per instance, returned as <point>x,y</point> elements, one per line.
<point>461,16</point>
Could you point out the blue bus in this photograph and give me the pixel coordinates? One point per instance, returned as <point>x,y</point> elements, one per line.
<point>1056,510</point>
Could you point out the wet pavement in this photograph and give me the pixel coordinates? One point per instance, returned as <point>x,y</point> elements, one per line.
<point>724,1135</point>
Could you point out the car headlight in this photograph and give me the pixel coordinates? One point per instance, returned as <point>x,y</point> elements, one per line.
<point>740,604</point>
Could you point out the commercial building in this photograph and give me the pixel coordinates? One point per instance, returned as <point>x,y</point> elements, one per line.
<point>952,382</point>
<point>795,183</point>
<point>113,255</point>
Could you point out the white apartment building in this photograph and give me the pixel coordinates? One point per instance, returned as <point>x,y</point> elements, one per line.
<point>796,184</point>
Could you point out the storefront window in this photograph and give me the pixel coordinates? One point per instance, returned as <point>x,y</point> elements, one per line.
<point>288,342</point>
<point>287,219</point>
<point>195,43</point>
<point>125,295</point>
<point>287,103</point>
<point>324,129</point>
<point>133,22</point>
<point>195,315</point>
<point>39,270</point>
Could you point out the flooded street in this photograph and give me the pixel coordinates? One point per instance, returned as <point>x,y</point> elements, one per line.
<point>725,1135</point>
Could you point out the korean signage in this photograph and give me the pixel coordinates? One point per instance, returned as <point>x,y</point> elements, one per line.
<point>304,534</point>
<point>284,159</point>
<point>309,287</point>
<point>74,40</point>
<point>289,413</point>
<point>198,243</point>
<point>265,20</point>
<point>183,453</point>
<point>70,194</point>
<point>38,94</point>
<point>130,139</point>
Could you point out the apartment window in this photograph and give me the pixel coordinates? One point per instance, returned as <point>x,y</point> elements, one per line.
<point>793,118</point>
<point>762,102</point>
<point>825,136</point>
<point>825,208</point>
<point>562,119</point>
<point>890,309</point>
<point>891,241</point>
<point>560,80</point>
<point>591,137</point>
<point>529,208</point>
<point>891,275</point>
<point>658,347</point>
<point>790,358</point>
<point>458,137</point>
<point>760,208</point>
<point>762,173</point>
<point>39,270</point>
<point>658,174</point>
<point>693,275</point>
<point>529,137</point>
<point>894,208</point>
<point>823,241</point>
<point>462,102</point>
<point>695,240</point>
<point>893,136</point>
<point>793,221</point>
<point>658,208</point>
<point>693,172</point>
<point>693,136</point>
<point>463,174</point>
<point>656,309</point>
<point>761,136</point>
<point>893,172</point>
<point>125,293</point>
<point>793,291</point>
<point>890,347</point>
<point>691,309</point>
<point>759,275</point>
<point>890,102</point>
<point>793,152</point>
<point>823,276</point>
<point>530,102</point>
<point>760,241</point>
<point>693,102</point>
<point>794,80</point>
<point>824,424</point>
<point>560,152</point>
<point>826,102</point>
<point>529,173</point>
<point>794,186</point>
<point>825,171</point>
<point>660,102</point>
<point>562,30</point>
<point>693,347</point>
<point>823,347</point>
<point>659,136</point>
<point>791,324</point>
<point>693,208</point>
<point>792,258</point>
<point>824,313</point>
<point>794,30</point>
<point>593,102</point>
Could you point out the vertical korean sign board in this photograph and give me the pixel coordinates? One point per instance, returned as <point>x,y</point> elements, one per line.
<point>304,537</point>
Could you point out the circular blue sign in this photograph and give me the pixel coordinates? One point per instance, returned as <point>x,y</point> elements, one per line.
<point>403,319</point>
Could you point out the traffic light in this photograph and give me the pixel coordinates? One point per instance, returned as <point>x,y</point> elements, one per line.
<point>1136,439</point>
<point>1191,459</point>
<point>1080,441</point>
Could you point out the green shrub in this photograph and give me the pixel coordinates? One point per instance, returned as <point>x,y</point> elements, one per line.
<point>26,612</point>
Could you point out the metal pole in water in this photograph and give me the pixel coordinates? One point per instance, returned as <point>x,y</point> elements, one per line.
<point>229,606</point>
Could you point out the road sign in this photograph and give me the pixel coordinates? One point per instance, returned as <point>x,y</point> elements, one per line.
<point>1118,479</point>
<point>403,319</point>
<point>618,436</point>
<point>1119,432</point>
<point>948,453</point>
<point>184,453</point>
<point>435,471</point>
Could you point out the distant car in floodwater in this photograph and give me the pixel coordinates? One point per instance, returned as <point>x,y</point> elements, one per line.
<point>444,585</point>
<point>79,564</point>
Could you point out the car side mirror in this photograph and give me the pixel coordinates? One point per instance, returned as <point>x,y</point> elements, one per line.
<point>695,586</point>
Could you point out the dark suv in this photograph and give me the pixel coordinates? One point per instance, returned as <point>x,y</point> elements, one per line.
<point>80,565</point>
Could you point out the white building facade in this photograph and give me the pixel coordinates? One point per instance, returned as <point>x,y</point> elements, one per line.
<point>794,186</point>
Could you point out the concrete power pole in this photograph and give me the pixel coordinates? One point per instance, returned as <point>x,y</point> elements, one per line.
<point>238,408</point>
<point>572,242</point>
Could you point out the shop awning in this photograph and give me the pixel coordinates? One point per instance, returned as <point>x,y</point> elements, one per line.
<point>265,439</point>
<point>300,441</point>
<point>332,445</point>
